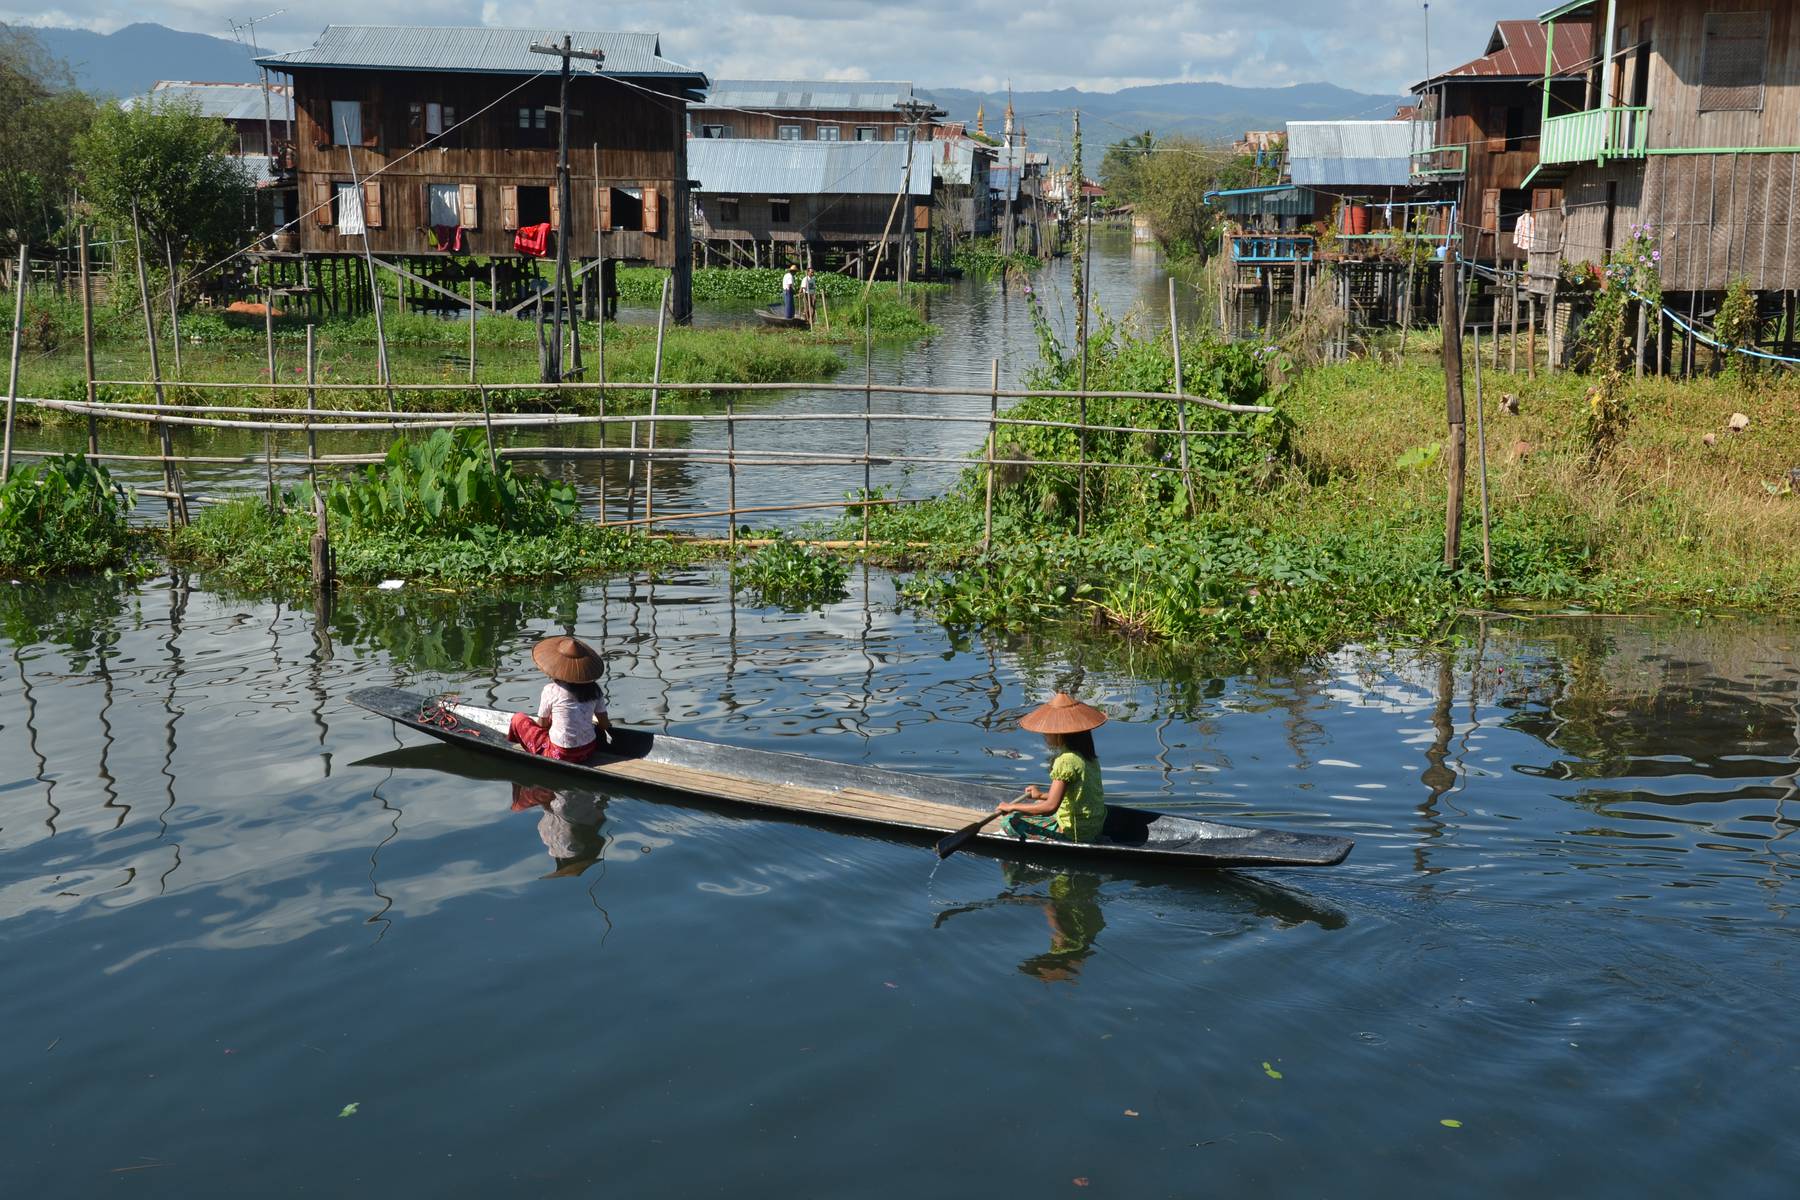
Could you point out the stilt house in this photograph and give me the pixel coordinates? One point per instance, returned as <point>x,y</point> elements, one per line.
<point>1689,124</point>
<point>263,124</point>
<point>441,143</point>
<point>1479,125</point>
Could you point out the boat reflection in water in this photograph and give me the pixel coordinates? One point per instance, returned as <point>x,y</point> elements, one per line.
<point>569,823</point>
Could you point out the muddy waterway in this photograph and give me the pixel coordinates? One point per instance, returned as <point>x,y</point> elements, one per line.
<point>255,942</point>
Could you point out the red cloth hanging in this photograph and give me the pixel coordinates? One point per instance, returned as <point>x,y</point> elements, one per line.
<point>448,237</point>
<point>533,240</point>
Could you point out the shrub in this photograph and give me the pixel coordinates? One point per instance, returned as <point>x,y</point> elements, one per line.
<point>447,484</point>
<point>789,575</point>
<point>64,514</point>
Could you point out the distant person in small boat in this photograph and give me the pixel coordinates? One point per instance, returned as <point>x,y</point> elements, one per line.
<point>1074,809</point>
<point>787,293</point>
<point>571,714</point>
<point>809,295</point>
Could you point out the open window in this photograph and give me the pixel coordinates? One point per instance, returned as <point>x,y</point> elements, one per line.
<point>867,133</point>
<point>828,133</point>
<point>715,131</point>
<point>787,133</point>
<point>354,211</point>
<point>780,210</point>
<point>524,206</point>
<point>452,204</point>
<point>728,210</point>
<point>354,123</point>
<point>428,121</point>
<point>623,208</point>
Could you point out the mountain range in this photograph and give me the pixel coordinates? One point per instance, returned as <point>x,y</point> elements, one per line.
<point>127,61</point>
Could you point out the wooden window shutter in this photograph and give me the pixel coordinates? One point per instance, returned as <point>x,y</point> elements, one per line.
<point>605,206</point>
<point>509,206</point>
<point>1496,128</point>
<point>652,210</point>
<point>555,207</point>
<point>1490,209</point>
<point>469,201</point>
<point>371,124</point>
<point>319,200</point>
<point>1542,198</point>
<point>1733,62</point>
<point>372,203</point>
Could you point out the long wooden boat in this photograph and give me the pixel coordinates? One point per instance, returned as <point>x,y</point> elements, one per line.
<point>917,805</point>
<point>782,322</point>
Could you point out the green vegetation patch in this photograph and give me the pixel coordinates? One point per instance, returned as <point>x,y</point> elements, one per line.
<point>788,575</point>
<point>62,515</point>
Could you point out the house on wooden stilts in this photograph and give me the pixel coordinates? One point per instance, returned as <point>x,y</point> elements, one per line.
<point>440,146</point>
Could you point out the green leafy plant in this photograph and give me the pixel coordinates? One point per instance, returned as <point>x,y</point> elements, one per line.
<point>1738,327</point>
<point>789,575</point>
<point>448,484</point>
<point>63,514</point>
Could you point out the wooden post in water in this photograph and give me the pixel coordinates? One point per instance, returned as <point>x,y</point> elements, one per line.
<point>487,421</point>
<point>274,393</point>
<point>662,314</point>
<point>1487,549</point>
<point>868,407</point>
<point>12,370</point>
<point>471,331</point>
<point>171,477</point>
<point>1455,419</point>
<point>1187,478</point>
<point>87,342</point>
<point>987,513</point>
<point>730,462</point>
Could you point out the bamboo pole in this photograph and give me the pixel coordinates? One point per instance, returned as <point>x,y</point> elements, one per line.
<point>170,476</point>
<point>381,362</point>
<point>1531,324</point>
<point>322,569</point>
<point>1512,345</point>
<point>12,371</point>
<point>174,306</point>
<point>269,434</point>
<point>1087,243</point>
<point>868,408</point>
<point>731,463</point>
<point>87,341</point>
<point>1187,478</point>
<point>471,331</point>
<point>1451,320</point>
<point>1487,549</point>
<point>987,515</point>
<point>662,313</point>
<point>487,420</point>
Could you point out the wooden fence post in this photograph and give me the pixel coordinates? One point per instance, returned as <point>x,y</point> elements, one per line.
<point>322,570</point>
<point>868,406</point>
<point>987,516</point>
<point>87,341</point>
<point>730,462</point>
<point>1187,478</point>
<point>1487,549</point>
<point>12,370</point>
<point>171,477</point>
<point>471,331</point>
<point>1451,320</point>
<point>662,314</point>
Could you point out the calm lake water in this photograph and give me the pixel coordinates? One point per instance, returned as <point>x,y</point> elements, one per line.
<point>255,942</point>
<point>979,323</point>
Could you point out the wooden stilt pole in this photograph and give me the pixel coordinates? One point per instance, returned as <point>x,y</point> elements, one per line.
<point>1512,343</point>
<point>1531,319</point>
<point>274,394</point>
<point>1487,549</point>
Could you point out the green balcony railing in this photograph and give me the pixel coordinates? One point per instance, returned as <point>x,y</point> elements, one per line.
<point>1440,162</point>
<point>1595,135</point>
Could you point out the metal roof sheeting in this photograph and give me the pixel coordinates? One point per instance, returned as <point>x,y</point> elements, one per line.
<point>226,101</point>
<point>1516,51</point>
<point>480,50</point>
<point>848,96</point>
<point>758,167</point>
<point>1350,153</point>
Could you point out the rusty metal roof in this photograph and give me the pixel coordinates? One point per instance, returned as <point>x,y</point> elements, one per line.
<point>1516,51</point>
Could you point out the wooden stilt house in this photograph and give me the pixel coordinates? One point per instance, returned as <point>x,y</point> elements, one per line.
<point>436,148</point>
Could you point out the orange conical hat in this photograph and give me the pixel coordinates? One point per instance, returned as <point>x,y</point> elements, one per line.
<point>1063,713</point>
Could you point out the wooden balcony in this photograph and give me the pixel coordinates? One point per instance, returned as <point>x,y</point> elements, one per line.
<point>1440,162</point>
<point>1595,136</point>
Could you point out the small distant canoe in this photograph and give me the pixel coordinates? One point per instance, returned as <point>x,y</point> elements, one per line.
<point>781,322</point>
<point>920,806</point>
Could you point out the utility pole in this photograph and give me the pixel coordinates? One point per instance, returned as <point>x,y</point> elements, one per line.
<point>914,111</point>
<point>553,372</point>
<point>238,30</point>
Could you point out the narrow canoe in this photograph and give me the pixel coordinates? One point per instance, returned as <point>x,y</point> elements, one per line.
<point>781,322</point>
<point>922,806</point>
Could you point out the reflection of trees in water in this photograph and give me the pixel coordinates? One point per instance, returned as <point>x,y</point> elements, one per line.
<point>450,633</point>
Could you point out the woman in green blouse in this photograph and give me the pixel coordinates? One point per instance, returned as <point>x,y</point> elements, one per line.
<point>1074,809</point>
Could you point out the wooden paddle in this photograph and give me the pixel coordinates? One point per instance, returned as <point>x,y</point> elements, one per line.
<point>950,843</point>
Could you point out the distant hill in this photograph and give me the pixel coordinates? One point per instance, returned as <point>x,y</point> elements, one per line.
<point>1210,111</point>
<point>127,61</point>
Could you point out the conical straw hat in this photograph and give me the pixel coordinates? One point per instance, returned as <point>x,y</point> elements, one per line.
<point>567,660</point>
<point>1063,713</point>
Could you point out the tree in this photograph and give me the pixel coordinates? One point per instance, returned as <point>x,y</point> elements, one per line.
<point>43,115</point>
<point>176,166</point>
<point>1123,161</point>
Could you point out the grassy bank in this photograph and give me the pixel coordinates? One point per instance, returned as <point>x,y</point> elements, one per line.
<point>1325,525</point>
<point>892,317</point>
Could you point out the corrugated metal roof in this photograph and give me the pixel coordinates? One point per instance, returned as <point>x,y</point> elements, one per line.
<point>845,96</point>
<point>478,49</point>
<point>226,101</point>
<point>758,167</point>
<point>1516,51</point>
<point>1350,153</point>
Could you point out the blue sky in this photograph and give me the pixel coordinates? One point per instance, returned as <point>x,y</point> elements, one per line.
<point>1377,46</point>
